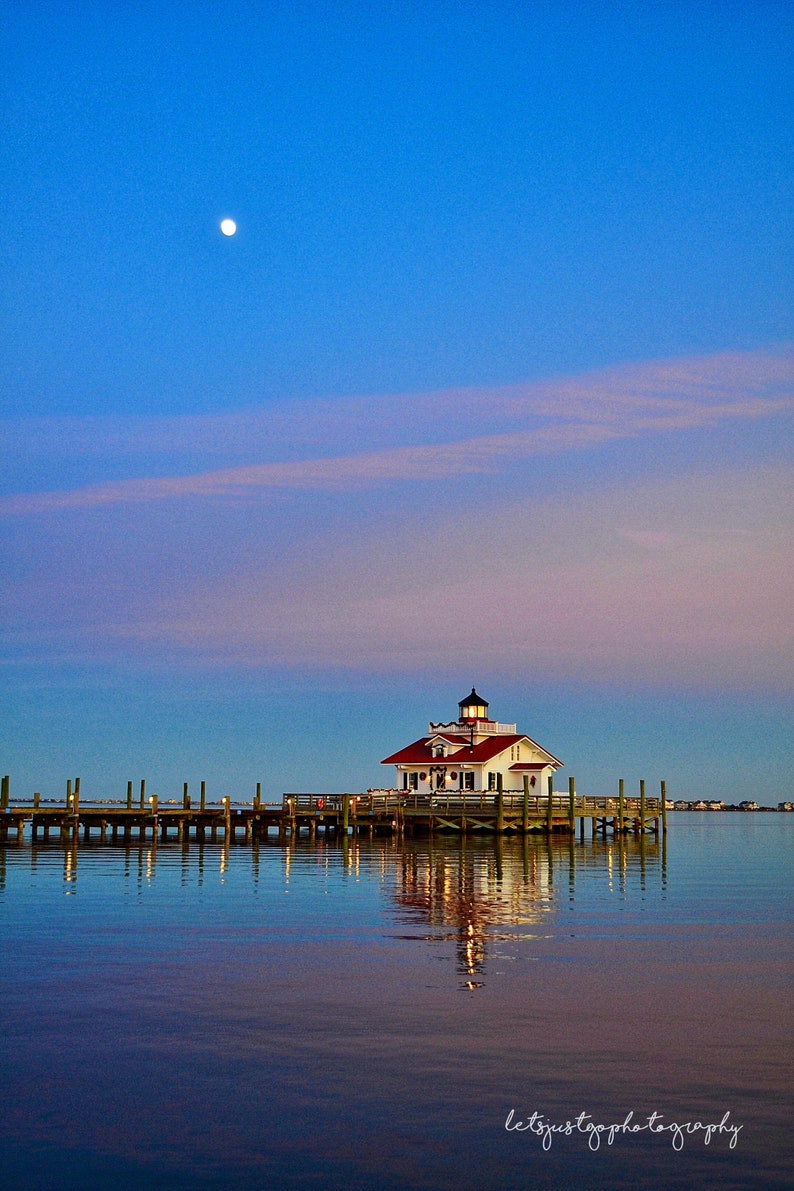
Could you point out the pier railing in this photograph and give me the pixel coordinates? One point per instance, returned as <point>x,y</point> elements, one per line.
<point>311,803</point>
<point>514,800</point>
<point>373,800</point>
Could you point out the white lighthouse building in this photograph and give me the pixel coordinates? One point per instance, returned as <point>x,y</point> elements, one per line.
<point>472,753</point>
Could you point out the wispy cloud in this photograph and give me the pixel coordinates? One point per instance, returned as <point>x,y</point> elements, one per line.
<point>659,577</point>
<point>661,582</point>
<point>452,433</point>
<point>653,584</point>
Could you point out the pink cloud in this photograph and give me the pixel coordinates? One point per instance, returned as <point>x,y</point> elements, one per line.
<point>691,580</point>
<point>552,418</point>
<point>686,578</point>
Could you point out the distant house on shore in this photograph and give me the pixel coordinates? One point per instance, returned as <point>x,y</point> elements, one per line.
<point>472,753</point>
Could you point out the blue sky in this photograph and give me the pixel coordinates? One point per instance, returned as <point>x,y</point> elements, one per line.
<point>492,386</point>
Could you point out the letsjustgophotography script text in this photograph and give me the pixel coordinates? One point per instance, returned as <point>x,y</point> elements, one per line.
<point>537,1125</point>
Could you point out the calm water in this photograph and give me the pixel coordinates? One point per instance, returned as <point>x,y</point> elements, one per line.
<point>367,1015</point>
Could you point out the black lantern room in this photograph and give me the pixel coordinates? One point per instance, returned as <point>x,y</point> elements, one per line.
<point>473,708</point>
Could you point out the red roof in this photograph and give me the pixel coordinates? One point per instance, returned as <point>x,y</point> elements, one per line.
<point>414,754</point>
<point>420,752</point>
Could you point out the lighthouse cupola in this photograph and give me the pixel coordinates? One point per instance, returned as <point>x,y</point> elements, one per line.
<point>472,708</point>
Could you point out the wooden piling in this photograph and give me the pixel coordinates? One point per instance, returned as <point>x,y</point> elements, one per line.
<point>572,805</point>
<point>500,805</point>
<point>143,792</point>
<point>203,796</point>
<point>525,808</point>
<point>550,807</point>
<point>66,826</point>
<point>642,805</point>
<point>621,805</point>
<point>129,796</point>
<point>664,807</point>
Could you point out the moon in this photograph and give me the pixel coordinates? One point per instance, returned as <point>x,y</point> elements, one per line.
<point>228,227</point>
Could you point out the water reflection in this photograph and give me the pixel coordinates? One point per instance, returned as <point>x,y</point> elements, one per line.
<point>475,893</point>
<point>471,891</point>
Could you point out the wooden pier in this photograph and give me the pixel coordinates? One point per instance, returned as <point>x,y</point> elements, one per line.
<point>376,811</point>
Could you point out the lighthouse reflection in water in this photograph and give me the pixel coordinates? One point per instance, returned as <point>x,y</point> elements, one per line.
<point>484,892</point>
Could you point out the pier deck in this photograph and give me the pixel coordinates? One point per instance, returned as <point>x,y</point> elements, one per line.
<point>377,811</point>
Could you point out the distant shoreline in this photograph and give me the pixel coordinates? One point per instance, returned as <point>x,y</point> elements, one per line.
<point>742,808</point>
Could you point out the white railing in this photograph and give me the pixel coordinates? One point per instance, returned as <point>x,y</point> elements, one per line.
<point>481,728</point>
